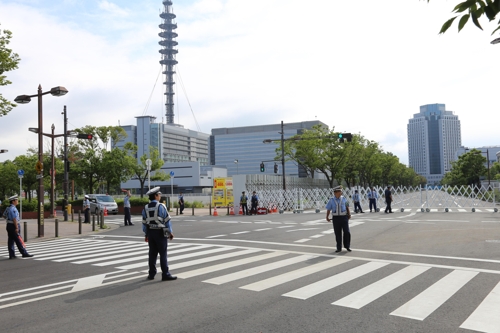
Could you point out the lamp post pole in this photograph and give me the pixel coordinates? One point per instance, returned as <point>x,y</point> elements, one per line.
<point>24,99</point>
<point>237,167</point>
<point>65,183</point>
<point>40,159</point>
<point>52,175</point>
<point>283,155</point>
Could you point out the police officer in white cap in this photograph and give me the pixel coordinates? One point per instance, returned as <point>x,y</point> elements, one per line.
<point>14,230</point>
<point>86,209</point>
<point>339,207</point>
<point>158,229</point>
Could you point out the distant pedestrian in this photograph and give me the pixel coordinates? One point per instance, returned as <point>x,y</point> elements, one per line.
<point>372,198</point>
<point>244,203</point>
<point>86,209</point>
<point>356,199</point>
<point>388,200</point>
<point>14,230</point>
<point>255,203</point>
<point>181,203</point>
<point>158,230</point>
<point>126,208</point>
<point>339,207</point>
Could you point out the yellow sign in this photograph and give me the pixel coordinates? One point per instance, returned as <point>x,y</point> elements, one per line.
<point>39,167</point>
<point>222,194</point>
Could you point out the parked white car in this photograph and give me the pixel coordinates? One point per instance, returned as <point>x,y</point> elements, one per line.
<point>99,201</point>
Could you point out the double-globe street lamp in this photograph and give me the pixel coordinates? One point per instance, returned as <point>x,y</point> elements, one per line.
<point>24,99</point>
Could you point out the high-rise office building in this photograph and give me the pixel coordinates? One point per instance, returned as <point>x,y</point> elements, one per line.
<point>434,136</point>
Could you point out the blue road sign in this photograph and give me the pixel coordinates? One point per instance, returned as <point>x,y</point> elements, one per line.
<point>20,172</point>
<point>171,173</point>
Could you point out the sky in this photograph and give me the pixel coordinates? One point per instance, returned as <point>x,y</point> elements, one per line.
<point>361,66</point>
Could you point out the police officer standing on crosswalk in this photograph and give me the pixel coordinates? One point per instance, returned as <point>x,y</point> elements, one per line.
<point>158,229</point>
<point>339,207</point>
<point>14,230</point>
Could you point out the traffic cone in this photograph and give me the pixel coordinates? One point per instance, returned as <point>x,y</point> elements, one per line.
<point>55,215</point>
<point>241,211</point>
<point>215,212</point>
<point>105,212</point>
<point>231,210</point>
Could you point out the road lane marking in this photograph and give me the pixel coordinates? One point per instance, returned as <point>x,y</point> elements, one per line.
<point>485,318</point>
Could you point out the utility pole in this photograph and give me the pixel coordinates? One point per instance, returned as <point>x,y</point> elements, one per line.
<point>283,155</point>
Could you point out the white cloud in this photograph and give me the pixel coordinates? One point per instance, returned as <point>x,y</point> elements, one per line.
<point>361,67</point>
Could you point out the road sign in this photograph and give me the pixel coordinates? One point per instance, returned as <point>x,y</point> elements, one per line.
<point>39,167</point>
<point>20,172</point>
<point>39,176</point>
<point>171,173</point>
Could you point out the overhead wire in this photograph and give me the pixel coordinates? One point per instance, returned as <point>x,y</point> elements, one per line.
<point>152,91</point>
<point>185,94</point>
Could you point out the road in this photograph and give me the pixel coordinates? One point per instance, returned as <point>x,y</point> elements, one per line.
<point>410,271</point>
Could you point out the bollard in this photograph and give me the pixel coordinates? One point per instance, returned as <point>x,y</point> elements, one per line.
<point>56,223</point>
<point>102,219</point>
<point>227,210</point>
<point>210,209</point>
<point>93,222</point>
<point>25,232</point>
<point>193,210</point>
<point>177,211</point>
<point>79,222</point>
<point>72,215</point>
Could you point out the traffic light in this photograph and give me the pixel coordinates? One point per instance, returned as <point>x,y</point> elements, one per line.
<point>262,167</point>
<point>85,136</point>
<point>344,136</point>
<point>275,168</point>
<point>341,137</point>
<point>348,137</point>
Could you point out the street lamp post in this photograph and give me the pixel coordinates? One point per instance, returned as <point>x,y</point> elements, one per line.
<point>237,169</point>
<point>24,99</point>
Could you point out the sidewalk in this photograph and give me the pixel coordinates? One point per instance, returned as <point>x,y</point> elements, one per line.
<point>65,229</point>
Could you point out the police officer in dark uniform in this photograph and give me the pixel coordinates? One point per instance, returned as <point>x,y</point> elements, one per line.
<point>339,207</point>
<point>14,230</point>
<point>158,229</point>
<point>86,209</point>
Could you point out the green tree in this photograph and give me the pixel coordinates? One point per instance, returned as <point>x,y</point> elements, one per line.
<point>474,10</point>
<point>9,181</point>
<point>139,168</point>
<point>8,62</point>
<point>467,170</point>
<point>27,163</point>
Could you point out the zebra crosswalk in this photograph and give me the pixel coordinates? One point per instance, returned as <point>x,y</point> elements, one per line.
<point>258,269</point>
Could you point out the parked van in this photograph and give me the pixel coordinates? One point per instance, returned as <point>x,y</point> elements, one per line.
<point>99,201</point>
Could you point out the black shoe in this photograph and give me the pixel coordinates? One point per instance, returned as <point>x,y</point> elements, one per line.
<point>348,249</point>
<point>390,212</point>
<point>169,278</point>
<point>337,250</point>
<point>151,277</point>
<point>130,224</point>
<point>386,212</point>
<point>27,255</point>
<point>182,213</point>
<point>370,211</point>
<point>13,257</point>
<point>362,212</point>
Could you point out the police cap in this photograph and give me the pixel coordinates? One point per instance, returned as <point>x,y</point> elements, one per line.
<point>14,197</point>
<point>154,191</point>
<point>337,189</point>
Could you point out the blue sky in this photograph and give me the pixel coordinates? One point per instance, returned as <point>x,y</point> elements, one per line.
<point>363,67</point>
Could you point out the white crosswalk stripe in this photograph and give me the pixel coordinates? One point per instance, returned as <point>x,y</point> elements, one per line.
<point>224,264</point>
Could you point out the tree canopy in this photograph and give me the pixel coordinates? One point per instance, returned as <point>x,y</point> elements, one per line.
<point>467,170</point>
<point>8,62</point>
<point>473,10</point>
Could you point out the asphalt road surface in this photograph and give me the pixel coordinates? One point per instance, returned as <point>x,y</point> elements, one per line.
<point>407,272</point>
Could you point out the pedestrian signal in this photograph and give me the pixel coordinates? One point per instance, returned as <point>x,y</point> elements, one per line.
<point>262,167</point>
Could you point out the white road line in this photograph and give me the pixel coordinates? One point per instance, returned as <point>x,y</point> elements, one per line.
<point>285,226</point>
<point>353,224</point>
<point>422,305</point>
<point>303,240</point>
<point>485,318</point>
<point>303,229</point>
<point>297,274</point>
<point>210,259</point>
<point>240,232</point>
<point>317,236</point>
<point>216,236</point>
<point>215,268</point>
<point>334,281</point>
<point>257,270</point>
<point>263,229</point>
<point>88,283</point>
<point>378,289</point>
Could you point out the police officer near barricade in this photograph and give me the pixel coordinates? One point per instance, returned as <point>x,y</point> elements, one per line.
<point>339,207</point>
<point>158,229</point>
<point>14,230</point>
<point>372,198</point>
<point>255,203</point>
<point>86,209</point>
<point>388,200</point>
<point>244,203</point>
<point>357,205</point>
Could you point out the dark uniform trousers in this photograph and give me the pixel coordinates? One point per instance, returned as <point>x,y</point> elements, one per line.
<point>15,238</point>
<point>157,245</point>
<point>86,215</point>
<point>341,223</point>
<point>244,208</point>
<point>373,203</point>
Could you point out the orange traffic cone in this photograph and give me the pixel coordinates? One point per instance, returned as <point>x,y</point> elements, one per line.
<point>105,212</point>
<point>231,210</point>
<point>215,212</point>
<point>241,211</point>
<point>55,215</point>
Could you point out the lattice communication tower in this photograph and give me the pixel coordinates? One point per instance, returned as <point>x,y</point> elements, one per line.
<point>168,56</point>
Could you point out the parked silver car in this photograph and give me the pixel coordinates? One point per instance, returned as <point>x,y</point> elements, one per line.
<point>99,201</point>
